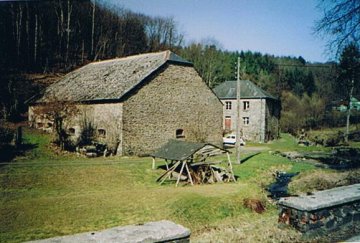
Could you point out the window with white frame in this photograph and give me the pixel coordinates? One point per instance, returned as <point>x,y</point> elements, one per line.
<point>246,120</point>
<point>246,105</point>
<point>228,105</point>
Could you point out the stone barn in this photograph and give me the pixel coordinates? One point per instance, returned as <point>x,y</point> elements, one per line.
<point>259,111</point>
<point>136,104</point>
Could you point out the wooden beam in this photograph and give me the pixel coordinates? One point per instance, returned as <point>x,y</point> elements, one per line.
<point>168,171</point>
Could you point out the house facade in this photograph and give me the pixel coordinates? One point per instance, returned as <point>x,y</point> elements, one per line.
<point>136,104</point>
<point>259,111</point>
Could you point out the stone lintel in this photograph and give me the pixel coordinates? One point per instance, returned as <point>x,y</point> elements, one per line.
<point>323,199</point>
<point>159,231</point>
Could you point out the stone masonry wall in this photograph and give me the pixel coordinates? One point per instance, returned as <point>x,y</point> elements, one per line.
<point>176,98</point>
<point>107,117</point>
<point>322,220</point>
<point>263,119</point>
<point>254,131</point>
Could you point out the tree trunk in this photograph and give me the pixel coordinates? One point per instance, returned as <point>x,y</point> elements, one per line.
<point>18,29</point>
<point>82,52</point>
<point>68,30</point>
<point>28,32</point>
<point>35,37</point>
<point>93,27</point>
<point>349,112</point>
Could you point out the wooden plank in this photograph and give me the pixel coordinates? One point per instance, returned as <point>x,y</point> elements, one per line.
<point>170,171</point>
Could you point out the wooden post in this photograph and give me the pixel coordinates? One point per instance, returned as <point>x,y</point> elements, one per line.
<point>238,117</point>
<point>153,163</point>
<point>188,171</point>
<point>230,166</point>
<point>181,170</point>
<point>166,164</point>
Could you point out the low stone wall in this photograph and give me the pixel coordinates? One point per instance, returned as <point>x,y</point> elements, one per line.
<point>160,231</point>
<point>323,211</point>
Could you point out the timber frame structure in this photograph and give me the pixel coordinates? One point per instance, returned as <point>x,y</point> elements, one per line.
<point>190,157</point>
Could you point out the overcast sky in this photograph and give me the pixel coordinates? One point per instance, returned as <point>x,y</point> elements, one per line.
<point>279,27</point>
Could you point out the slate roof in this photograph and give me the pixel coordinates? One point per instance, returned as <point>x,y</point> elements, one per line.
<point>110,79</point>
<point>248,90</point>
<point>180,150</point>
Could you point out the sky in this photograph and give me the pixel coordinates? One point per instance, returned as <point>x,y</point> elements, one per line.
<point>277,27</point>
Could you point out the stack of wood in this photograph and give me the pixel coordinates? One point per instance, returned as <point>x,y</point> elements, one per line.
<point>203,173</point>
<point>186,161</point>
<point>197,173</point>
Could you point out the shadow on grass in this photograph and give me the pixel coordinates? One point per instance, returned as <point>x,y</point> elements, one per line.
<point>249,157</point>
<point>8,152</point>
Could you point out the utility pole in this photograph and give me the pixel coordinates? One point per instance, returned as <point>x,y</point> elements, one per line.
<point>238,118</point>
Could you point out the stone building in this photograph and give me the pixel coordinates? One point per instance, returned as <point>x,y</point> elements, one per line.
<point>137,103</point>
<point>259,111</point>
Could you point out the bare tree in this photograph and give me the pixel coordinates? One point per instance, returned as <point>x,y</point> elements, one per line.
<point>93,26</point>
<point>57,111</point>
<point>341,22</point>
<point>68,30</point>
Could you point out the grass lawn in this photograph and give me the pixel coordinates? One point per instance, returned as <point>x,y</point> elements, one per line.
<point>45,195</point>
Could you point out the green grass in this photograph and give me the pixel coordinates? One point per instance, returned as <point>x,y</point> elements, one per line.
<point>43,194</point>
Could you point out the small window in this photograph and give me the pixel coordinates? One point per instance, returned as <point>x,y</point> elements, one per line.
<point>40,125</point>
<point>180,133</point>
<point>228,105</point>
<point>102,133</point>
<point>246,105</point>
<point>71,131</point>
<point>246,120</point>
<point>49,125</point>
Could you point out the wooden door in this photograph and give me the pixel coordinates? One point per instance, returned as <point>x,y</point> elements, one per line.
<point>227,123</point>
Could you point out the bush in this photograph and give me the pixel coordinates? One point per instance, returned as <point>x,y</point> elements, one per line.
<point>88,133</point>
<point>6,135</point>
<point>7,150</point>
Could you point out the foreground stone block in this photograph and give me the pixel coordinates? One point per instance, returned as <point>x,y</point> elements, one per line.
<point>160,231</point>
<point>323,211</point>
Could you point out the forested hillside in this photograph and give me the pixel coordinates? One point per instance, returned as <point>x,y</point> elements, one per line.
<point>55,37</point>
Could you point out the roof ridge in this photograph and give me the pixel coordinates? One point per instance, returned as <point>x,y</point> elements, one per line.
<point>129,57</point>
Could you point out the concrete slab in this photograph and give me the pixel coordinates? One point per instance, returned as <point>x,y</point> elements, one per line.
<point>323,199</point>
<point>160,231</point>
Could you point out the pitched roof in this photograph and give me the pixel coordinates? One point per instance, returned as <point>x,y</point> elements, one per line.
<point>110,79</point>
<point>248,90</point>
<point>180,150</point>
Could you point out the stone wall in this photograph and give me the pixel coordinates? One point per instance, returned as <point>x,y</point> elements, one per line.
<point>106,117</point>
<point>324,219</point>
<point>323,212</point>
<point>175,98</point>
<point>263,117</point>
<point>159,231</point>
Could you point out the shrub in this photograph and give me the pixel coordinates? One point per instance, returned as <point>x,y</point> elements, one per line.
<point>6,135</point>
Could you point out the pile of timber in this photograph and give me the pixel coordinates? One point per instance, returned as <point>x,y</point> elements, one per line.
<point>197,173</point>
<point>208,173</point>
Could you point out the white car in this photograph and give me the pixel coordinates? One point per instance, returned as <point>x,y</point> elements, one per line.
<point>231,139</point>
